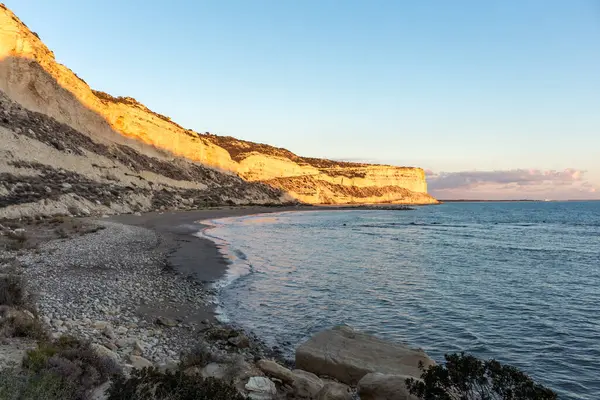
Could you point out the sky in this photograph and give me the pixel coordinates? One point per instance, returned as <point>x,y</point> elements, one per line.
<point>495,99</point>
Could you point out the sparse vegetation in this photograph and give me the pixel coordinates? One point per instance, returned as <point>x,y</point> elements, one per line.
<point>21,385</point>
<point>464,377</point>
<point>199,356</point>
<point>74,364</point>
<point>12,291</point>
<point>151,384</point>
<point>22,324</point>
<point>17,240</point>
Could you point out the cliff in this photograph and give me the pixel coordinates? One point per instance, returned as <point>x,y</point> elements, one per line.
<point>30,76</point>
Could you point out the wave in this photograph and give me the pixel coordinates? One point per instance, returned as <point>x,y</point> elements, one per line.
<point>392,224</point>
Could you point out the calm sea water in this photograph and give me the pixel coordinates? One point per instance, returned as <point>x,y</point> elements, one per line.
<point>519,282</point>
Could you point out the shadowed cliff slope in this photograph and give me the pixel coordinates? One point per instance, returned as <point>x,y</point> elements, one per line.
<point>30,76</point>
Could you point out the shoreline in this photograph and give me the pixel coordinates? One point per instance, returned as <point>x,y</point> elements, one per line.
<point>189,253</point>
<point>197,257</point>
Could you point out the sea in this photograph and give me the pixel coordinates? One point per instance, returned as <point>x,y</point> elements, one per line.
<point>515,281</point>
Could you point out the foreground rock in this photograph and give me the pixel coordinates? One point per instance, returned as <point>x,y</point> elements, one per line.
<point>272,369</point>
<point>378,386</point>
<point>306,385</point>
<point>334,391</point>
<point>347,355</point>
<point>261,388</point>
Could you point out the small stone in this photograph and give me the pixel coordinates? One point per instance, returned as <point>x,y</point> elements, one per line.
<point>138,348</point>
<point>164,321</point>
<point>272,369</point>
<point>139,362</point>
<point>100,325</point>
<point>121,330</point>
<point>108,332</point>
<point>170,365</point>
<point>105,352</point>
<point>213,370</point>
<point>261,388</point>
<point>240,341</point>
<point>306,384</point>
<point>66,185</point>
<point>334,391</point>
<point>47,189</point>
<point>112,346</point>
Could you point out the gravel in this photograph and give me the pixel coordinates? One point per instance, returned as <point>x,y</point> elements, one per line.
<point>109,286</point>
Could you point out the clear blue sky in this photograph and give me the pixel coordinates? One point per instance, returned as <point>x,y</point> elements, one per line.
<point>446,85</point>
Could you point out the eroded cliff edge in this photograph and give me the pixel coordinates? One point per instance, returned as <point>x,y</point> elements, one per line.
<point>31,77</point>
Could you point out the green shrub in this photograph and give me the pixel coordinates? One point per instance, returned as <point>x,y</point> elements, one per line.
<point>464,377</point>
<point>151,384</point>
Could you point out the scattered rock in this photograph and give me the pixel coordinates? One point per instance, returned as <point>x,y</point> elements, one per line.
<point>164,321</point>
<point>271,368</point>
<point>100,325</point>
<point>378,386</point>
<point>108,332</point>
<point>139,362</point>
<point>348,355</point>
<point>105,352</point>
<point>334,391</point>
<point>240,341</point>
<point>138,348</point>
<point>112,346</point>
<point>261,388</point>
<point>66,185</point>
<point>213,370</point>
<point>306,384</point>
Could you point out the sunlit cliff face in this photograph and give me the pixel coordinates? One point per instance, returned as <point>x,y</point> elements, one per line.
<point>30,75</point>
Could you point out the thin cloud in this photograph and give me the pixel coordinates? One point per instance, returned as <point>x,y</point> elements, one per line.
<point>515,183</point>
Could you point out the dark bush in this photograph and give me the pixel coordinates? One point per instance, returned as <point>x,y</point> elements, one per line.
<point>21,324</point>
<point>72,361</point>
<point>151,384</point>
<point>200,356</point>
<point>12,291</point>
<point>464,377</point>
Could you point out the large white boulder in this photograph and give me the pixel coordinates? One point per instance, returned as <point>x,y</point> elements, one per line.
<point>347,355</point>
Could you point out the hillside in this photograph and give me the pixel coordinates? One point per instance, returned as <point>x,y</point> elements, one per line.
<point>95,135</point>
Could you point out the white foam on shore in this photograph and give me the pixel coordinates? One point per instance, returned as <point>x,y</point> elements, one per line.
<point>238,265</point>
